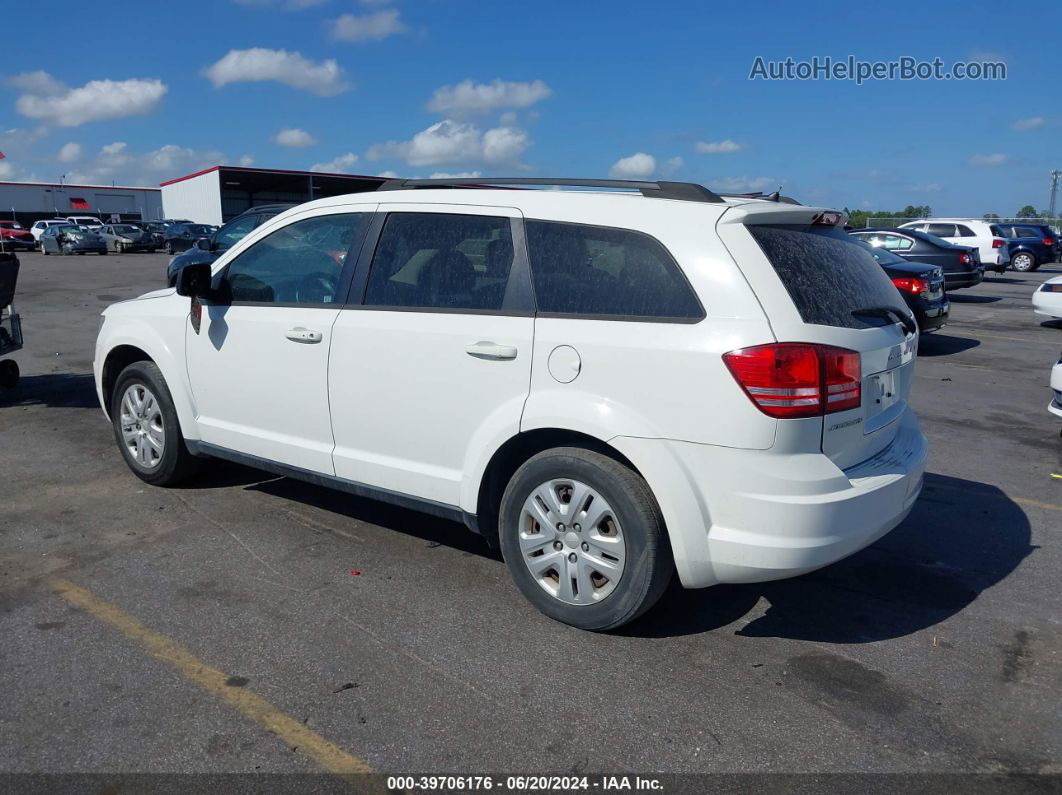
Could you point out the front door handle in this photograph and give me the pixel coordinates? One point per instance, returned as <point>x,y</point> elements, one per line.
<point>300,334</point>
<point>491,351</point>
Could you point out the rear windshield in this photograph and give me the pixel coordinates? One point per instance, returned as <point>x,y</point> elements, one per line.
<point>831,278</point>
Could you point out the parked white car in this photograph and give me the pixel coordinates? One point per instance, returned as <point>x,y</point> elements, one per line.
<point>87,221</point>
<point>1055,406</point>
<point>1047,298</point>
<point>967,232</point>
<point>39,226</point>
<point>611,387</point>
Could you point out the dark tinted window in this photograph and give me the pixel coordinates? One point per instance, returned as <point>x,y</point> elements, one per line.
<point>829,276</point>
<point>964,231</point>
<point>599,270</point>
<point>441,261</point>
<point>298,263</point>
<point>941,230</point>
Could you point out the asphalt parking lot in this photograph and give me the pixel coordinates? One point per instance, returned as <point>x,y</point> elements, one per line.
<point>254,623</point>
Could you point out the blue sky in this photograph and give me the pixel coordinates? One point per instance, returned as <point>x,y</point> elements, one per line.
<point>142,92</point>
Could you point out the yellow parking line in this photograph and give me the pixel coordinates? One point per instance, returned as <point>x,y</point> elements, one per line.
<point>329,756</point>
<point>1047,506</point>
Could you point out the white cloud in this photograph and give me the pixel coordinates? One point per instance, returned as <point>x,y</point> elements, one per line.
<point>456,175</point>
<point>1028,124</point>
<point>742,184</point>
<point>6,169</point>
<point>468,97</point>
<point>45,98</point>
<point>376,26</point>
<point>672,165</point>
<point>257,64</point>
<point>246,160</point>
<point>450,141</point>
<point>339,165</point>
<point>294,137</point>
<point>115,162</point>
<point>716,147</point>
<point>993,160</point>
<point>388,174</point>
<point>637,166</point>
<point>70,153</point>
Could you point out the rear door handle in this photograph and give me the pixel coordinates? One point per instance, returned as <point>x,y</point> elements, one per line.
<point>300,334</point>
<point>491,351</point>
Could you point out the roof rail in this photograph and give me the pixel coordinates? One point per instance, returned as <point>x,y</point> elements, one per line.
<point>683,191</point>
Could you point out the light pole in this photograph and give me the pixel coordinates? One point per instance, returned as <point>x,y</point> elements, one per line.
<point>1054,191</point>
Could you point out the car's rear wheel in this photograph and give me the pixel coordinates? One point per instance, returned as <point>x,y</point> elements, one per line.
<point>146,427</point>
<point>1023,261</point>
<point>170,249</point>
<point>583,538</point>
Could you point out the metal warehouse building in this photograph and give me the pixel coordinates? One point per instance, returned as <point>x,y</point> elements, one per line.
<point>220,193</point>
<point>30,201</point>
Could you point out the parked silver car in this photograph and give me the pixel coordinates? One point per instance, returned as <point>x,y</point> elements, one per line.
<point>71,239</point>
<point>120,238</point>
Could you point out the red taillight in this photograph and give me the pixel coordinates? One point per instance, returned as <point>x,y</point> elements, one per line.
<point>997,243</point>
<point>964,258</point>
<point>1049,241</point>
<point>798,379</point>
<point>914,285</point>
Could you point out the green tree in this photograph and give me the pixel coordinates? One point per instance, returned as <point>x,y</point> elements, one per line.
<point>990,217</point>
<point>1028,211</point>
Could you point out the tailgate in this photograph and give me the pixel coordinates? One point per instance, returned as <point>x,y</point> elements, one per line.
<point>818,285</point>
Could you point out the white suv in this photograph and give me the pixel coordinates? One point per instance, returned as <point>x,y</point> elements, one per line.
<point>967,232</point>
<point>610,387</point>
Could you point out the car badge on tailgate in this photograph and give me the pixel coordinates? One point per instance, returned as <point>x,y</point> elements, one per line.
<point>895,357</point>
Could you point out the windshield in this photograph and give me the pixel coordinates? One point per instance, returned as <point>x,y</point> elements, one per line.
<point>126,229</point>
<point>10,225</point>
<point>935,240</point>
<point>200,229</point>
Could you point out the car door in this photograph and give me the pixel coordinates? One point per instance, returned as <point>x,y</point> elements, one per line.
<point>258,363</point>
<point>434,366</point>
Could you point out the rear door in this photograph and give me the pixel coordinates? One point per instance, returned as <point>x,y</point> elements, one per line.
<point>816,285</point>
<point>434,363</point>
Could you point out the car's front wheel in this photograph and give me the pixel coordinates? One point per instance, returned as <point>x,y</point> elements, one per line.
<point>146,427</point>
<point>584,539</point>
<point>1023,261</point>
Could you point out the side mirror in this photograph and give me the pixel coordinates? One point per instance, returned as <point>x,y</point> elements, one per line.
<point>204,244</point>
<point>194,280</point>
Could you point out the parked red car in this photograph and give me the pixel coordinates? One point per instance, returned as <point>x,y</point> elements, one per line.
<point>14,235</point>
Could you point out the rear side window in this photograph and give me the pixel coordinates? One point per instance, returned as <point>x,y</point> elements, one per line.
<point>941,230</point>
<point>441,261</point>
<point>964,231</point>
<point>829,276</point>
<point>599,271</point>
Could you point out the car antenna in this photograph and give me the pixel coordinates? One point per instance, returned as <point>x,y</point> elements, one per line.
<point>776,196</point>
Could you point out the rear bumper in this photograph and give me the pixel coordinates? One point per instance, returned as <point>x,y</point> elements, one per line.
<point>958,280</point>
<point>740,516</point>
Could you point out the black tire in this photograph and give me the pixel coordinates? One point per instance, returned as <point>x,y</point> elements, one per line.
<point>170,250</point>
<point>102,253</point>
<point>176,464</point>
<point>81,253</point>
<point>9,373</point>
<point>44,251</point>
<point>1023,262</point>
<point>119,248</point>
<point>648,564</point>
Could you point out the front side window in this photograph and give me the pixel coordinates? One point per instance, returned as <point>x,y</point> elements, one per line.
<point>601,271</point>
<point>297,264</point>
<point>441,261</point>
<point>235,231</point>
